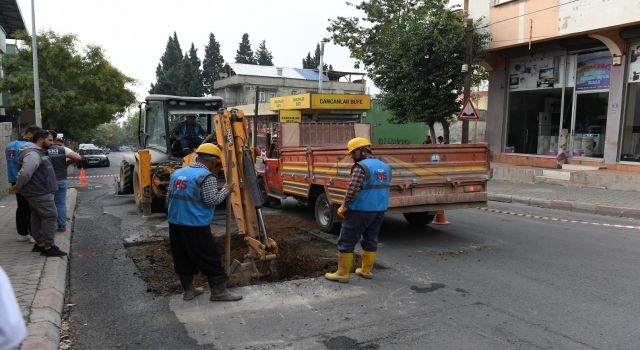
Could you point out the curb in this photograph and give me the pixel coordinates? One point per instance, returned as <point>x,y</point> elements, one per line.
<point>43,328</point>
<point>581,207</point>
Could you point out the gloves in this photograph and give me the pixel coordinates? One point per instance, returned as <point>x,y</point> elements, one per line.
<point>342,211</point>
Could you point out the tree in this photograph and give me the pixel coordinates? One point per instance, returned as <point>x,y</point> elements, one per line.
<point>264,56</point>
<point>169,70</point>
<point>130,127</point>
<point>413,51</point>
<point>191,77</point>
<point>212,65</point>
<point>244,53</point>
<point>80,89</point>
<point>313,62</point>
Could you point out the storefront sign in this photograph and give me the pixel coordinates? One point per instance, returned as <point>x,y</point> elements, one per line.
<point>593,71</point>
<point>302,101</point>
<point>340,101</point>
<point>321,101</point>
<point>289,116</point>
<point>634,63</point>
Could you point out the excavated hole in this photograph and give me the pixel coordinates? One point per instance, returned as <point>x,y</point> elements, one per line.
<point>301,255</point>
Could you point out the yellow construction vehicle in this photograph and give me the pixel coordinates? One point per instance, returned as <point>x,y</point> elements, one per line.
<point>146,173</point>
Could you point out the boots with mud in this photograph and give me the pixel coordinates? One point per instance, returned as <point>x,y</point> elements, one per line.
<point>219,291</point>
<point>190,291</point>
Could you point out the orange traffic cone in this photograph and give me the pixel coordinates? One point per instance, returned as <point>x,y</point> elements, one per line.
<point>441,219</point>
<point>83,177</point>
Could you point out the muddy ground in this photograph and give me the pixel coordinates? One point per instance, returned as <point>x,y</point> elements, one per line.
<point>301,255</point>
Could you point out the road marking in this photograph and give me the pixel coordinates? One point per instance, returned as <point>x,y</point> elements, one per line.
<point>90,176</point>
<point>548,218</point>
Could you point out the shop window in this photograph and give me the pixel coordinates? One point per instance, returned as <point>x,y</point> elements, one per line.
<point>631,128</point>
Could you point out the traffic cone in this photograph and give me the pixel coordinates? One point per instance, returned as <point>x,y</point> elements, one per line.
<point>83,177</point>
<point>441,219</point>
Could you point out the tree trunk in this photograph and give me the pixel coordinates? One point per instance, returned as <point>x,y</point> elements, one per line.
<point>432,132</point>
<point>445,131</point>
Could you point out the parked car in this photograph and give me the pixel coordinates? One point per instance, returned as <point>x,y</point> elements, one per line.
<point>92,157</point>
<point>124,148</point>
<point>86,146</point>
<point>106,150</point>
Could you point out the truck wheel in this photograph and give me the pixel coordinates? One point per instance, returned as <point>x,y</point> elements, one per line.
<point>419,219</point>
<point>126,178</point>
<point>326,216</point>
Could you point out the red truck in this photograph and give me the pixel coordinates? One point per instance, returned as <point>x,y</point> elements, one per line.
<point>309,162</point>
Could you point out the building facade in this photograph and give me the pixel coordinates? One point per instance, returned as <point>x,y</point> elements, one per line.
<point>10,22</point>
<point>564,77</point>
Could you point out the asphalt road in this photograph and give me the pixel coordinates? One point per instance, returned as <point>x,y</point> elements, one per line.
<point>487,281</point>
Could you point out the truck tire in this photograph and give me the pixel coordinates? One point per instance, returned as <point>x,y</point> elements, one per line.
<point>419,219</point>
<point>326,216</point>
<point>126,178</point>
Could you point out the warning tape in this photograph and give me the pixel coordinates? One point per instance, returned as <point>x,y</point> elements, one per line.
<point>548,218</point>
<point>90,177</point>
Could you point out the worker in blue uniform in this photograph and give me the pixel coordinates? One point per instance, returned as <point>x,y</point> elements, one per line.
<point>23,211</point>
<point>192,197</point>
<point>363,209</point>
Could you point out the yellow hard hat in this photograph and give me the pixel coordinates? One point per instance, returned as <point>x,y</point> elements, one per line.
<point>209,148</point>
<point>356,143</point>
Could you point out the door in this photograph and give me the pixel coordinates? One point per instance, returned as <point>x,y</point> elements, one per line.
<point>272,170</point>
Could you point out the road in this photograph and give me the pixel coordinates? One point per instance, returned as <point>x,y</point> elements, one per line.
<point>489,280</point>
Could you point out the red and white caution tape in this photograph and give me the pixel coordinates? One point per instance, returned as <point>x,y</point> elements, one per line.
<point>548,218</point>
<point>90,177</point>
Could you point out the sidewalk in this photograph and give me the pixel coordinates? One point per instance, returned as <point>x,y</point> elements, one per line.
<point>38,282</point>
<point>586,200</point>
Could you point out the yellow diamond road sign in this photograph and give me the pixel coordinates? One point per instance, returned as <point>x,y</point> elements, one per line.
<point>468,112</point>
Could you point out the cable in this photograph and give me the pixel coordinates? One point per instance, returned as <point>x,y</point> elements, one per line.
<point>529,13</point>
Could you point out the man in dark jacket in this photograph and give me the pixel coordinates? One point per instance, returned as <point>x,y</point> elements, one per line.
<point>37,183</point>
<point>58,154</point>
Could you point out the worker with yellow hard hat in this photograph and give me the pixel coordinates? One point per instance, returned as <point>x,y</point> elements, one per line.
<point>362,210</point>
<point>192,197</point>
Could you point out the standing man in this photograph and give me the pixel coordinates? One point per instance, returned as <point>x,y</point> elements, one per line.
<point>37,183</point>
<point>189,133</point>
<point>193,195</point>
<point>58,154</point>
<point>12,153</point>
<point>365,202</point>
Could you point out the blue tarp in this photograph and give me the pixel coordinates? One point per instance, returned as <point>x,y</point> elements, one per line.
<point>310,74</point>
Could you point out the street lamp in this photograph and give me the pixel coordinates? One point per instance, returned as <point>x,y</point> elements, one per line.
<point>36,79</point>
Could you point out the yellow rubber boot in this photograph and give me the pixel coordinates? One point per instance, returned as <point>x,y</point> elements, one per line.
<point>345,261</point>
<point>368,258</point>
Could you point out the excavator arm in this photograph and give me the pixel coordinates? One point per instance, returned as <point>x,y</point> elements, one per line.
<point>246,200</point>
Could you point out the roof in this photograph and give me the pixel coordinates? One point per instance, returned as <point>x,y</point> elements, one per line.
<point>11,17</point>
<point>273,71</point>
<point>182,98</point>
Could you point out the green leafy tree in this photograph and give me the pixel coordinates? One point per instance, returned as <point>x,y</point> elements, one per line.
<point>80,89</point>
<point>264,56</point>
<point>169,70</point>
<point>212,65</point>
<point>307,62</point>
<point>191,78</point>
<point>413,51</point>
<point>244,54</point>
<point>130,127</point>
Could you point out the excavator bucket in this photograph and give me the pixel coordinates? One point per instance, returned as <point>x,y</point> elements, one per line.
<point>245,201</point>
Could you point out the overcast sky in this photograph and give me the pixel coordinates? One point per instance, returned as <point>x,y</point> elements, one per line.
<point>134,33</point>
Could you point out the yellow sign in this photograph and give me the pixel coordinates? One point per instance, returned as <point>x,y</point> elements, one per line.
<point>289,116</point>
<point>340,101</point>
<point>302,101</point>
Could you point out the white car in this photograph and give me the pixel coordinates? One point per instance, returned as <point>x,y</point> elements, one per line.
<point>124,148</point>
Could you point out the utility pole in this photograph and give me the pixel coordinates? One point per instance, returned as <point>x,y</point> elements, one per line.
<point>36,78</point>
<point>254,129</point>
<point>467,70</point>
<point>320,73</point>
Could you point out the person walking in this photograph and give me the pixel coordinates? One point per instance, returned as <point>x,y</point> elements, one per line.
<point>23,216</point>
<point>58,154</point>
<point>363,209</point>
<point>36,181</point>
<point>192,196</point>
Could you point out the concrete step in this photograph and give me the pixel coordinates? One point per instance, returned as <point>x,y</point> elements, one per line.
<point>556,174</point>
<point>577,167</point>
<point>551,180</point>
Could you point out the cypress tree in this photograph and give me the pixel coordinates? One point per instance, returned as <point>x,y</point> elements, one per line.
<point>244,54</point>
<point>212,65</point>
<point>169,70</point>
<point>264,56</point>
